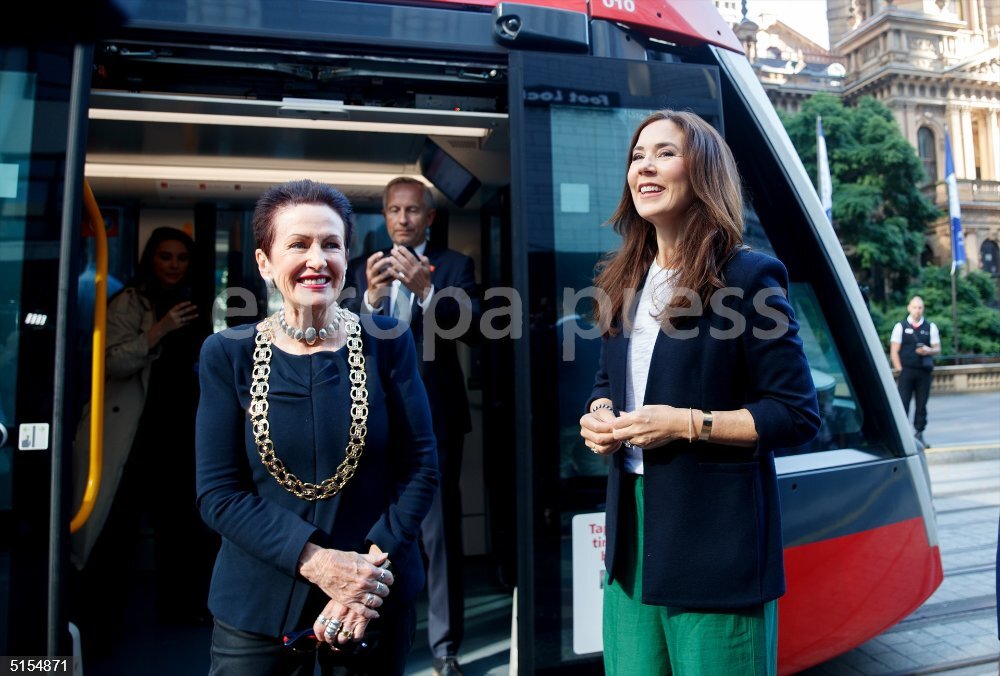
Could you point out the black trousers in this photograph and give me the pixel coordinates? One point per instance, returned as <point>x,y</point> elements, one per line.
<point>242,653</point>
<point>914,382</point>
<point>441,538</point>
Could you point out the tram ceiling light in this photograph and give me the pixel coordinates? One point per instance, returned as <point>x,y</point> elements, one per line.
<point>167,172</point>
<point>286,123</point>
<point>296,107</point>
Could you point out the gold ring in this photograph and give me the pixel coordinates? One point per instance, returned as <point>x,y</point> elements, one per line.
<point>346,633</point>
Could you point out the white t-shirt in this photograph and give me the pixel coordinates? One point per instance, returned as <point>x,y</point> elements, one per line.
<point>656,295</point>
<point>897,331</point>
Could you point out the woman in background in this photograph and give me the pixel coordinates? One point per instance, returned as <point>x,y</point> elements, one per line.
<point>154,335</point>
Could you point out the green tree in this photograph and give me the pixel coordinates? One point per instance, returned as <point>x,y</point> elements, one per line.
<point>978,317</point>
<point>878,212</point>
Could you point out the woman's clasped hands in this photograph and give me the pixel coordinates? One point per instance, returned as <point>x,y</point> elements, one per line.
<point>356,583</point>
<point>647,427</point>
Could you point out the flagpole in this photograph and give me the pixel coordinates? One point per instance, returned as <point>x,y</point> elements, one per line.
<point>954,312</point>
<point>957,241</point>
<point>823,183</point>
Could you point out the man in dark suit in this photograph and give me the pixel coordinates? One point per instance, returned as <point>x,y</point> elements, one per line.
<point>434,289</point>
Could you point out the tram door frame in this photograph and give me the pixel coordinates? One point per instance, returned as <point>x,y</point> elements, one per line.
<point>33,532</point>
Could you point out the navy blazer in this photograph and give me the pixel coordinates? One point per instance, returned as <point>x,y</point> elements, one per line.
<point>712,536</point>
<point>264,528</point>
<point>443,376</point>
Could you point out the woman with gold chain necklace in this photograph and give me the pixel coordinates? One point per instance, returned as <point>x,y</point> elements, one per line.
<point>316,462</point>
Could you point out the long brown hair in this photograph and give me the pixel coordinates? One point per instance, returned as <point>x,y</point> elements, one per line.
<point>713,232</point>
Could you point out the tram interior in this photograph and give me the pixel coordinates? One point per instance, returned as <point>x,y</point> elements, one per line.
<point>189,137</point>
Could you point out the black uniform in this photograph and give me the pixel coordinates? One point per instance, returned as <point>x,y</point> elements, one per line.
<point>915,377</point>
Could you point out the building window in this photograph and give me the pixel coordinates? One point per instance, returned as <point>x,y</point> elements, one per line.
<point>989,258</point>
<point>927,257</point>
<point>927,149</point>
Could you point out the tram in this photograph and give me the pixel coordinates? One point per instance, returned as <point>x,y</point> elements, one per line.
<point>517,114</point>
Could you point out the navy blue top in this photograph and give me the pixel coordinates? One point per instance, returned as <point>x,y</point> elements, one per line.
<point>264,527</point>
<point>712,535</point>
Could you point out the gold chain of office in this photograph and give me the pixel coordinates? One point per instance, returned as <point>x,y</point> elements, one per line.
<point>359,413</point>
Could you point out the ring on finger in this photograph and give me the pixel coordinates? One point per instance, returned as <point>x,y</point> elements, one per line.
<point>378,587</point>
<point>330,630</point>
<point>381,575</point>
<point>368,599</point>
<point>321,619</point>
<point>347,633</point>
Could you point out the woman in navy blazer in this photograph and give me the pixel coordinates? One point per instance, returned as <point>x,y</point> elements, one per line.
<point>701,376</point>
<point>315,463</point>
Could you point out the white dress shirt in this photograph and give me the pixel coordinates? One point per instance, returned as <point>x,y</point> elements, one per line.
<point>656,295</point>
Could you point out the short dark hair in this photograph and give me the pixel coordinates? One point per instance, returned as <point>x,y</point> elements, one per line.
<point>292,194</point>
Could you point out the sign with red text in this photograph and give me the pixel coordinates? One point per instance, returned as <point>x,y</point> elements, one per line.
<point>588,582</point>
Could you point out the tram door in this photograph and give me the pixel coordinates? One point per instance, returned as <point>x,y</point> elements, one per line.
<point>571,121</point>
<point>34,107</point>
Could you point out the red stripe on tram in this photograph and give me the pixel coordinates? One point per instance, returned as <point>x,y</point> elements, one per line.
<point>846,590</point>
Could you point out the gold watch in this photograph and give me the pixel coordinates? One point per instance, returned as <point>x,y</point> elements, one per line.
<point>706,425</point>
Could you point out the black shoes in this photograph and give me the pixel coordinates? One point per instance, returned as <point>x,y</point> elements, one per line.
<point>446,666</point>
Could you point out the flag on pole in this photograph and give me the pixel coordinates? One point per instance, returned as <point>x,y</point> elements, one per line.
<point>825,186</point>
<point>957,240</point>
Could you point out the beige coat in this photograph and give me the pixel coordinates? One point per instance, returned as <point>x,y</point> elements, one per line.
<point>127,365</point>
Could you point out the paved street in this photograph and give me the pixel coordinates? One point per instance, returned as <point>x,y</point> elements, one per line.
<point>955,631</point>
<point>967,420</point>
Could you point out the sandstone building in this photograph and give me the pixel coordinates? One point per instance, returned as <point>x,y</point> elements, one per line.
<point>935,64</point>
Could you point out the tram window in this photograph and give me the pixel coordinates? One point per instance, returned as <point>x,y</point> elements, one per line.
<point>840,413</point>
<point>587,148</point>
<point>17,113</point>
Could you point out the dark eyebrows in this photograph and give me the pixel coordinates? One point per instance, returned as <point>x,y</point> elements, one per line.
<point>300,235</point>
<point>661,144</point>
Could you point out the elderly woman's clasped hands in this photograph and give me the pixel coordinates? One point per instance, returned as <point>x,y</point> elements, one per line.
<point>356,583</point>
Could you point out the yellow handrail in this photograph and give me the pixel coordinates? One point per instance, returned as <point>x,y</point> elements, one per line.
<point>97,363</point>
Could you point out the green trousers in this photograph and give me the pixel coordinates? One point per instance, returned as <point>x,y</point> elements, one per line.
<point>645,639</point>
